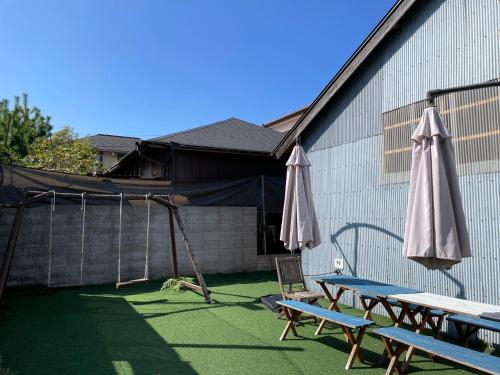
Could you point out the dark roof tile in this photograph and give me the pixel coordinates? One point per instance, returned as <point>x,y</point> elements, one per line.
<point>233,134</point>
<point>113,143</point>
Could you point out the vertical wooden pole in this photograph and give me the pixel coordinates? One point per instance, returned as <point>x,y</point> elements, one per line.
<point>264,224</point>
<point>11,248</point>
<point>172,241</point>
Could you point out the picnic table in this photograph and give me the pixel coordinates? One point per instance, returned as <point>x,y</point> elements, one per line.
<point>382,291</point>
<point>450,305</point>
<point>407,298</point>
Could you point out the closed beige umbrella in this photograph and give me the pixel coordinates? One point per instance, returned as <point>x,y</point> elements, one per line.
<point>299,227</point>
<point>436,235</point>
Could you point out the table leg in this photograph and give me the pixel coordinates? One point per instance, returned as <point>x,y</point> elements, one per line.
<point>465,336</point>
<point>412,316</point>
<point>426,313</point>
<point>390,311</point>
<point>333,303</point>
<point>368,307</point>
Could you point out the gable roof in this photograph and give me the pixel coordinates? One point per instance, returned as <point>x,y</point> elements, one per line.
<point>230,134</point>
<point>285,122</point>
<point>113,143</point>
<point>390,20</point>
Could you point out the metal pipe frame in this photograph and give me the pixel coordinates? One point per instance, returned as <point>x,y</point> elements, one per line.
<point>432,94</point>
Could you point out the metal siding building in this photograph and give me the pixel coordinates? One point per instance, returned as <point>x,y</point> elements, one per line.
<point>362,214</point>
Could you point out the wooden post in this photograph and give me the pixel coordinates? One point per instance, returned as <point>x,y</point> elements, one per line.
<point>264,224</point>
<point>11,248</point>
<point>169,204</point>
<point>14,234</point>
<point>189,250</point>
<point>172,241</point>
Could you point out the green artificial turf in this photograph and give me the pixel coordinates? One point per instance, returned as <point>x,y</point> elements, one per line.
<point>139,330</point>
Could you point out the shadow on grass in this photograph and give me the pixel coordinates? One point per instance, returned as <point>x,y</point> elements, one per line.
<point>335,340</point>
<point>75,333</point>
<point>253,304</point>
<point>72,334</point>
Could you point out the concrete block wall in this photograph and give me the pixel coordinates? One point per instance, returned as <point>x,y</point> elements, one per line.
<point>224,240</point>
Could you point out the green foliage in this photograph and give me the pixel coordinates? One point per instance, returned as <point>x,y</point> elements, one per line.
<point>175,284</point>
<point>5,370</point>
<point>63,152</point>
<point>19,128</point>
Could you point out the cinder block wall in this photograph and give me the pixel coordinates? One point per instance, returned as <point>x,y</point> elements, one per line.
<point>224,240</point>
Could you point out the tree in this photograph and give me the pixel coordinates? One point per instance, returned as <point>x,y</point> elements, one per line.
<point>20,127</point>
<point>63,152</point>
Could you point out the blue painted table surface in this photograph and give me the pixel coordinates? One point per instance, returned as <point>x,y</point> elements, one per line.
<point>364,286</point>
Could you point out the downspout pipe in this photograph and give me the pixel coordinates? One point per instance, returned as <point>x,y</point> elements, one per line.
<point>432,94</point>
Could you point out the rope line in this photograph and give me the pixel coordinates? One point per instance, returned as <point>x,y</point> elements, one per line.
<point>52,209</point>
<point>146,266</point>
<point>120,238</point>
<point>83,209</point>
<point>322,274</point>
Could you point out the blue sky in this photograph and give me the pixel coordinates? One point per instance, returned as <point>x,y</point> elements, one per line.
<point>148,68</point>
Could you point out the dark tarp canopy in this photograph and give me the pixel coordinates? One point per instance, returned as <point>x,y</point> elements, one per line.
<point>244,192</point>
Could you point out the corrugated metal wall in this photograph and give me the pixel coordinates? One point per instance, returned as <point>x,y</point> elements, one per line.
<point>440,43</point>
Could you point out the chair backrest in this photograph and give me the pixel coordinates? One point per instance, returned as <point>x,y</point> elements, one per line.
<point>289,271</point>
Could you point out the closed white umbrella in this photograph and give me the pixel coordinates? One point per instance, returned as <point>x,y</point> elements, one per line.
<point>436,235</point>
<point>299,227</point>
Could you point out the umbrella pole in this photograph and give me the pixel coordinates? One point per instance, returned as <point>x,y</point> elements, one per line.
<point>264,237</point>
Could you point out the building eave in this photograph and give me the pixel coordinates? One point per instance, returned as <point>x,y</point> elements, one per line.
<point>187,147</point>
<point>383,28</point>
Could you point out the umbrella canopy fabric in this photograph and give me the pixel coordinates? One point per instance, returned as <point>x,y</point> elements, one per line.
<point>299,228</point>
<point>436,235</point>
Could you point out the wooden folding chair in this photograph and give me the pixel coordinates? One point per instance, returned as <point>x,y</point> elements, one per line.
<point>291,280</point>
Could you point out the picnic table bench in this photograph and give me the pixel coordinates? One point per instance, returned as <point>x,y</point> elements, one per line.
<point>293,309</point>
<point>406,339</point>
<point>449,304</point>
<point>377,292</point>
<point>472,325</point>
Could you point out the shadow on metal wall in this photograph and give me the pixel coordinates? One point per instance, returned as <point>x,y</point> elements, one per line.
<point>353,266</point>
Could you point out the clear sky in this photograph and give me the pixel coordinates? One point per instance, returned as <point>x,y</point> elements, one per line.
<point>151,67</point>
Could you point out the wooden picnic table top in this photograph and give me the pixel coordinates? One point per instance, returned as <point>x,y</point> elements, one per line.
<point>413,296</point>
<point>364,286</point>
<point>451,305</point>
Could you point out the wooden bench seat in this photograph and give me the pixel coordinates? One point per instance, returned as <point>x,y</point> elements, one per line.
<point>454,353</point>
<point>472,325</point>
<point>293,309</point>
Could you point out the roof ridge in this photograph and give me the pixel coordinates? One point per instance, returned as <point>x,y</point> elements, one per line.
<point>288,114</point>
<point>346,71</point>
<point>113,135</point>
<point>192,130</point>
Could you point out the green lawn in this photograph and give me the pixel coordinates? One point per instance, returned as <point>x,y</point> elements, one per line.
<point>139,330</point>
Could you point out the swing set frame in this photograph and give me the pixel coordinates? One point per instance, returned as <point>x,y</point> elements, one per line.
<point>32,196</point>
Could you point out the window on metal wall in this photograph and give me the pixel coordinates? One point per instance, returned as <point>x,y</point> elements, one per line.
<point>473,118</point>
